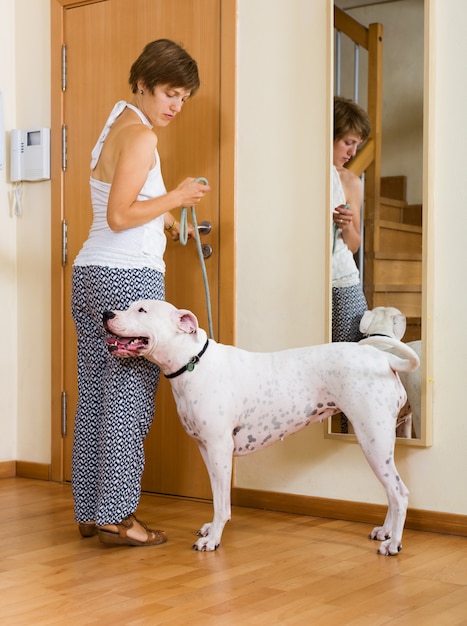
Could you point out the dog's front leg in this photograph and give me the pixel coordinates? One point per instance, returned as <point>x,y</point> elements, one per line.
<point>218,459</point>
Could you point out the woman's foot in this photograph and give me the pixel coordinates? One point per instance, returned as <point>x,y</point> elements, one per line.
<point>130,532</point>
<point>87,529</point>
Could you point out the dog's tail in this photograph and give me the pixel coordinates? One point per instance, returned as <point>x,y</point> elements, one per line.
<point>405,359</point>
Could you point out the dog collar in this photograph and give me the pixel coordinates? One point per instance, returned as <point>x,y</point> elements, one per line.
<point>190,366</point>
<point>379,335</point>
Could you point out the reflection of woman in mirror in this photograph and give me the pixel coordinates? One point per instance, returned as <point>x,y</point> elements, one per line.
<point>351,128</point>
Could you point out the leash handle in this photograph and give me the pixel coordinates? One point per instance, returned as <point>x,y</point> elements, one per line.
<point>183,235</point>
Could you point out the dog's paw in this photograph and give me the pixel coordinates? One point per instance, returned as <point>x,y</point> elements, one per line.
<point>380,534</point>
<point>388,548</point>
<point>205,545</point>
<point>204,530</point>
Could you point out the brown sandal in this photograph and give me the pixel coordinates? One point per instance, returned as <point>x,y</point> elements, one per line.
<point>121,538</point>
<point>87,529</point>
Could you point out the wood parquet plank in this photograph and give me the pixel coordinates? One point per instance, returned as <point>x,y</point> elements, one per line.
<point>272,569</point>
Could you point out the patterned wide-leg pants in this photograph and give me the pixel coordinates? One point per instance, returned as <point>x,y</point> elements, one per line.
<point>348,306</point>
<point>116,396</point>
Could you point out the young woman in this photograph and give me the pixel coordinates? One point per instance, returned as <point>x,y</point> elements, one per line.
<point>351,128</point>
<point>120,262</point>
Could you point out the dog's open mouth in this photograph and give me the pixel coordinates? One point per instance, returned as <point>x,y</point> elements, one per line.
<point>126,346</point>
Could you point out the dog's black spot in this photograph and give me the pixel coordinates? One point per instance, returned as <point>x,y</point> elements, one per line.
<point>236,430</point>
<point>276,424</point>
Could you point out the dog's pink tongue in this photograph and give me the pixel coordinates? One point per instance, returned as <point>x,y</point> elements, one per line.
<point>125,346</point>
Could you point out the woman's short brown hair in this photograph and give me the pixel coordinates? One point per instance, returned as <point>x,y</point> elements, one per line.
<point>349,117</point>
<point>164,62</point>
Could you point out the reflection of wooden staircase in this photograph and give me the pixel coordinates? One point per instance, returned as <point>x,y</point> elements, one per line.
<point>393,255</point>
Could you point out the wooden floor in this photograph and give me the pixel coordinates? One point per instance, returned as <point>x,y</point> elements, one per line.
<point>272,569</point>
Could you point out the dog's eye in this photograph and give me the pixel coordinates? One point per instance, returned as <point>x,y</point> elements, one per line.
<point>141,310</point>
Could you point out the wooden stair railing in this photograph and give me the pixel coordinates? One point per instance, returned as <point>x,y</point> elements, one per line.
<point>368,159</point>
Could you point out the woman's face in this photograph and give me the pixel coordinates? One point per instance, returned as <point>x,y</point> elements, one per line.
<point>345,148</point>
<point>162,106</point>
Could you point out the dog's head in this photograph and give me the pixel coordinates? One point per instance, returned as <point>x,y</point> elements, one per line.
<point>383,320</point>
<point>141,328</point>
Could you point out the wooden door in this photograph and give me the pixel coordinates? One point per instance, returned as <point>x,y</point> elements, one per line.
<point>102,40</point>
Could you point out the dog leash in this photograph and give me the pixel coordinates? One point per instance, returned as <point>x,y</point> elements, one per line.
<point>183,240</point>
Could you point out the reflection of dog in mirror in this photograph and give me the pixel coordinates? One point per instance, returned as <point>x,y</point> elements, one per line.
<point>390,322</point>
<point>234,402</point>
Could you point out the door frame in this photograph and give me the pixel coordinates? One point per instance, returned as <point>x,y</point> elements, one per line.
<point>227,286</point>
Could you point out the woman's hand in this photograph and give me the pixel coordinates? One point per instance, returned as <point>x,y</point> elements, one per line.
<point>191,192</point>
<point>172,226</point>
<point>349,222</point>
<point>342,216</point>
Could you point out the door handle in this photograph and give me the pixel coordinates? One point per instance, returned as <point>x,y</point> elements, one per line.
<point>204,228</point>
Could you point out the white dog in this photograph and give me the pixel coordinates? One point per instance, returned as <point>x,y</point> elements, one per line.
<point>390,322</point>
<point>234,402</point>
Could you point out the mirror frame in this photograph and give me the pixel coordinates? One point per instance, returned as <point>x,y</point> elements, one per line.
<point>426,438</point>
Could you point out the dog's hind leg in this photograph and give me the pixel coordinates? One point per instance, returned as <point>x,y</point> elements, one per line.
<point>218,460</point>
<point>377,443</point>
<point>390,534</point>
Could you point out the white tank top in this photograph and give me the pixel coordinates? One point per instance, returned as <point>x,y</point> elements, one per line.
<point>142,246</point>
<point>344,269</point>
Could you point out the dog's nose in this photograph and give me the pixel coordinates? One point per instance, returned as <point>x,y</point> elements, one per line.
<point>107,315</point>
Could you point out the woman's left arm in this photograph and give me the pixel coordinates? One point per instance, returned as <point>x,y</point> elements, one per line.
<point>349,220</point>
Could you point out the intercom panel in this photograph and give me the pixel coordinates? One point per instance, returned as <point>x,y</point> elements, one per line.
<point>30,154</point>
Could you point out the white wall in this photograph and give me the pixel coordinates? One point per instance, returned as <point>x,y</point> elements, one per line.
<point>282,165</point>
<point>25,241</point>
<point>8,260</point>
<point>33,239</point>
<point>283,148</point>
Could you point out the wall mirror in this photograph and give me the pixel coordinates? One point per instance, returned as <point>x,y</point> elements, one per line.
<point>381,61</point>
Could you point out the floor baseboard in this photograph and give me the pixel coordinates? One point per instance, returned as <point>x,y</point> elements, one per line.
<point>7,469</point>
<point>417,519</point>
<point>24,469</point>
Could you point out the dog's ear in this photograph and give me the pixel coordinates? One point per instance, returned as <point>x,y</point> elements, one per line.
<point>399,324</point>
<point>365,322</point>
<point>187,321</point>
